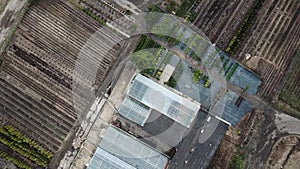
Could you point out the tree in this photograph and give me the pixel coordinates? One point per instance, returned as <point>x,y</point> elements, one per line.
<point>238,162</point>
<point>144,60</point>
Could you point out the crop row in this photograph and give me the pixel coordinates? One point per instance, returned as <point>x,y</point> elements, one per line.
<point>24,146</point>
<point>244,28</point>
<point>145,42</point>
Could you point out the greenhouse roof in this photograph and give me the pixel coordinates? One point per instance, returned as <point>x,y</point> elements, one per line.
<point>145,94</point>
<point>119,150</point>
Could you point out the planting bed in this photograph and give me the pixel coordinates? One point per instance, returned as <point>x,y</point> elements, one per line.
<point>36,80</point>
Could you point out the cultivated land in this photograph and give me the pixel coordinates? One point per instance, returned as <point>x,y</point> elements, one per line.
<point>37,74</point>
<point>288,98</point>
<point>275,39</point>
<point>268,31</point>
<point>39,118</point>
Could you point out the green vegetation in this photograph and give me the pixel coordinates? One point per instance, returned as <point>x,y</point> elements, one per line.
<point>144,60</point>
<point>291,99</point>
<point>186,11</point>
<point>197,74</point>
<point>172,82</point>
<point>171,7</point>
<point>225,64</point>
<point>246,88</point>
<point>289,94</point>
<point>17,162</point>
<point>148,72</point>
<point>178,71</point>
<point>244,28</point>
<point>92,15</point>
<point>73,2</point>
<point>206,80</point>
<point>184,8</point>
<point>158,74</point>
<point>190,16</point>
<point>207,83</point>
<point>145,43</point>
<point>195,56</point>
<point>238,161</point>
<point>154,8</point>
<point>231,71</point>
<point>3,4</point>
<point>164,27</point>
<point>24,146</point>
<point>280,105</point>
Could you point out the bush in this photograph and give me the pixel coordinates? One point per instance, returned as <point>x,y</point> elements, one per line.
<point>238,161</point>
<point>197,74</point>
<point>172,82</point>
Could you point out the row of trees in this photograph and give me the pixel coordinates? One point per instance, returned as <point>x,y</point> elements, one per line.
<point>244,28</point>
<point>22,144</point>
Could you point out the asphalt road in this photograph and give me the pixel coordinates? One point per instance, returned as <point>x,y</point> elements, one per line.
<point>194,155</point>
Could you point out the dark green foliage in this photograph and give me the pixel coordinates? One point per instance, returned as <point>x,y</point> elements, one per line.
<point>238,161</point>
<point>186,4</point>
<point>195,56</point>
<point>232,70</point>
<point>172,82</point>
<point>197,74</point>
<point>24,146</point>
<point>148,71</point>
<point>171,6</point>
<point>92,15</point>
<point>244,28</point>
<point>225,63</point>
<point>145,43</point>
